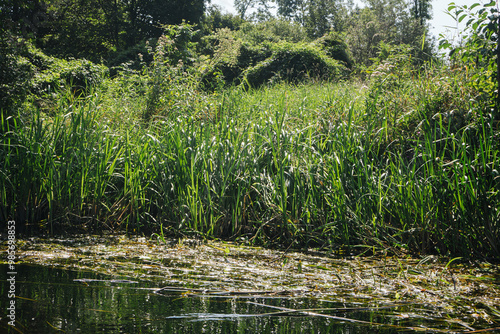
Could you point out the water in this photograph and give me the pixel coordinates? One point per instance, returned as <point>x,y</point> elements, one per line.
<point>133,285</point>
<point>51,300</point>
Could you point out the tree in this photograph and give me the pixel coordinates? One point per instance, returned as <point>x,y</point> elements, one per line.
<point>325,15</point>
<point>95,28</point>
<point>23,17</point>
<point>317,16</point>
<point>422,10</point>
<point>388,21</point>
<point>242,6</point>
<point>15,73</point>
<point>262,8</point>
<point>294,10</point>
<point>215,19</point>
<point>151,14</point>
<point>480,52</point>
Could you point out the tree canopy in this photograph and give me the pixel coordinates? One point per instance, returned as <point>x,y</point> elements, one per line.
<point>115,31</point>
<point>95,28</point>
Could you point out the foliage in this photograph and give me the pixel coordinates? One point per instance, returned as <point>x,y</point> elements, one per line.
<point>52,74</point>
<point>95,29</point>
<point>176,45</point>
<point>293,63</point>
<point>255,47</point>
<point>421,10</point>
<point>114,32</point>
<point>28,71</point>
<point>388,21</point>
<point>214,19</point>
<point>16,72</point>
<point>317,17</point>
<point>479,51</point>
<point>324,16</point>
<point>272,31</point>
<point>172,81</point>
<point>232,52</point>
<point>336,48</point>
<point>134,57</point>
<point>225,60</point>
<point>407,160</point>
<point>261,9</point>
<point>298,164</point>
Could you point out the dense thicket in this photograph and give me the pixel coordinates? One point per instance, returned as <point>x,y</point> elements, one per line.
<point>114,31</point>
<point>94,29</point>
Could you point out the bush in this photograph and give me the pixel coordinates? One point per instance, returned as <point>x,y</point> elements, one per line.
<point>479,51</point>
<point>132,58</point>
<point>230,57</point>
<point>16,72</point>
<point>232,52</point>
<point>78,75</point>
<point>273,31</point>
<point>27,70</point>
<point>294,63</point>
<point>173,83</point>
<point>336,48</point>
<point>271,51</point>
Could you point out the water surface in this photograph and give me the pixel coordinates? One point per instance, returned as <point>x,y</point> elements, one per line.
<point>121,285</point>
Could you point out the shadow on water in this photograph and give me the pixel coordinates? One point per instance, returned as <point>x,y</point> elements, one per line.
<point>50,300</point>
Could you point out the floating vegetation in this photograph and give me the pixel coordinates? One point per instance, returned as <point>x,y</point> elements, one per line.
<point>436,293</point>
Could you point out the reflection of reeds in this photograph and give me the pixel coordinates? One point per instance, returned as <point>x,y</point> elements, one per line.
<point>401,168</point>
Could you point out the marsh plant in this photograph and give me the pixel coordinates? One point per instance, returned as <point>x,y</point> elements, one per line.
<point>405,160</point>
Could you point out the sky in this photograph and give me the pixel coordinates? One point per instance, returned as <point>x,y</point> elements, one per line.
<point>439,22</point>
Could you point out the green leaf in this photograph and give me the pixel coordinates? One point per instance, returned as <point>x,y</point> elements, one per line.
<point>461,18</point>
<point>475,5</point>
<point>449,262</point>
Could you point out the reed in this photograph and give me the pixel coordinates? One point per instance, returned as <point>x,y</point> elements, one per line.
<point>411,166</point>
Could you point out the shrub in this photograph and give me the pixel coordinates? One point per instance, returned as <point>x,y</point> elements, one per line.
<point>273,31</point>
<point>78,75</point>
<point>16,72</point>
<point>294,63</point>
<point>172,85</point>
<point>336,48</point>
<point>479,52</point>
<point>38,73</point>
<point>26,70</point>
<point>232,52</point>
<point>132,58</point>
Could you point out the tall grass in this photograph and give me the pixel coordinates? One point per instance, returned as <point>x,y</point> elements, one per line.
<point>408,166</point>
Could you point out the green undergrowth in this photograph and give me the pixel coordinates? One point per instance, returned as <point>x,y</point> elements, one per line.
<point>404,162</point>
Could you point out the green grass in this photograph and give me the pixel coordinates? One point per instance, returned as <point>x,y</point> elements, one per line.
<point>406,164</point>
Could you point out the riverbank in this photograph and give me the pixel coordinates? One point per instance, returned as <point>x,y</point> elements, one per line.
<point>405,162</point>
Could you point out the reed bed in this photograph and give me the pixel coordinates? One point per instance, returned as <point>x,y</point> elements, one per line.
<point>409,166</point>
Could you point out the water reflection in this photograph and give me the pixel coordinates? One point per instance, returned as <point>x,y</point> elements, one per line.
<point>50,300</point>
